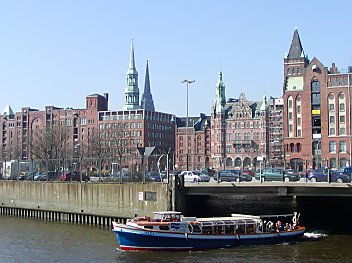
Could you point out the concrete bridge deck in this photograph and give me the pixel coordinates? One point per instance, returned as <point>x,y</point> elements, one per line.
<point>271,189</point>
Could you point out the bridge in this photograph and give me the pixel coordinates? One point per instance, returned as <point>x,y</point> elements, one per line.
<point>271,189</point>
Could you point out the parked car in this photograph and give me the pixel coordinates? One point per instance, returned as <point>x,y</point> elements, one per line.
<point>27,176</point>
<point>73,176</point>
<point>250,172</point>
<point>228,176</point>
<point>189,176</point>
<point>203,177</point>
<point>345,170</point>
<point>39,176</point>
<point>153,177</point>
<point>321,175</point>
<point>277,174</point>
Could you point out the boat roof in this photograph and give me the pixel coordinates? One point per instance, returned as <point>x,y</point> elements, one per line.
<point>167,213</point>
<point>273,216</point>
<point>240,216</point>
<point>227,220</point>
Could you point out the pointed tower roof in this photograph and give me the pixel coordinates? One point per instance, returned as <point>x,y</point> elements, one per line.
<point>220,94</point>
<point>132,65</point>
<point>296,49</point>
<point>7,111</point>
<point>147,102</point>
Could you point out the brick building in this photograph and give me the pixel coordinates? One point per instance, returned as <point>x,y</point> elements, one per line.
<point>67,134</point>
<point>317,111</point>
<point>53,133</point>
<point>198,143</point>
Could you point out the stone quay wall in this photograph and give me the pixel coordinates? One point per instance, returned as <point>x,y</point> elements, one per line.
<point>110,200</point>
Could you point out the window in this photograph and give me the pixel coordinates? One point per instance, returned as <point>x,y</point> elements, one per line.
<point>298,109</point>
<point>83,121</point>
<point>290,115</point>
<point>332,119</point>
<point>292,147</point>
<point>298,121</point>
<point>342,107</point>
<point>256,136</point>
<point>290,102</point>
<point>332,131</point>
<point>331,107</point>
<point>315,86</point>
<point>291,128</point>
<point>342,119</point>
<point>315,98</point>
<point>299,133</point>
<point>299,148</point>
<point>343,147</point>
<point>342,131</point>
<point>332,147</point>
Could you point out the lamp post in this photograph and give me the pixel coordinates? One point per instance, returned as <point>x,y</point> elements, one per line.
<point>187,151</point>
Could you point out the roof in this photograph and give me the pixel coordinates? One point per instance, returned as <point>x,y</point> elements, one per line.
<point>198,123</point>
<point>7,111</point>
<point>296,49</point>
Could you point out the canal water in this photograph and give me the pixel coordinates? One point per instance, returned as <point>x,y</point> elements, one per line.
<point>30,240</point>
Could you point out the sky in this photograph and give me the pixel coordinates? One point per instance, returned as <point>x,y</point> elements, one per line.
<point>57,52</point>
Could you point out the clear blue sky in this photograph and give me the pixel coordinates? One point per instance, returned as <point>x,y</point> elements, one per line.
<point>57,52</point>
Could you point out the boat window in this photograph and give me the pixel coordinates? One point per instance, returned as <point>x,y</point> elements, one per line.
<point>207,230</point>
<point>241,229</point>
<point>196,228</point>
<point>164,227</point>
<point>250,229</point>
<point>229,229</point>
<point>218,230</point>
<point>148,227</point>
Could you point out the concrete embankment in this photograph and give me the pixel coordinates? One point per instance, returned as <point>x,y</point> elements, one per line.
<point>74,199</point>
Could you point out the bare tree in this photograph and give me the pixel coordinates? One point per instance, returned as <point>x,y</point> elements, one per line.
<point>48,143</point>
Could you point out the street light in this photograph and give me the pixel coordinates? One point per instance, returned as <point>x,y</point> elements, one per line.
<point>187,82</point>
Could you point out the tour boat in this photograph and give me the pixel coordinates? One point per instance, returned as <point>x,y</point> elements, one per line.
<point>170,230</point>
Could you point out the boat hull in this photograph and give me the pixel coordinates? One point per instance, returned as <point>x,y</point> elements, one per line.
<point>130,238</point>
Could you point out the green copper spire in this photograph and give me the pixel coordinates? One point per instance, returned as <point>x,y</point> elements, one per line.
<point>220,94</point>
<point>132,66</point>
<point>131,89</point>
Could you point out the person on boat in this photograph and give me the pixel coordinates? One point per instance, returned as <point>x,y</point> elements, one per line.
<point>278,226</point>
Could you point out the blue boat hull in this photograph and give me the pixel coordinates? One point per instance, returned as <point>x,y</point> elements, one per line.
<point>134,239</point>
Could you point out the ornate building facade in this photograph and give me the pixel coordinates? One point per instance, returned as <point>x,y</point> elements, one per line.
<point>239,131</point>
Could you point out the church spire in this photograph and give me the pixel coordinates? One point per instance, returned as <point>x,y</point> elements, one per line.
<point>220,94</point>
<point>147,102</point>
<point>131,89</point>
<point>132,66</point>
<point>296,49</point>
